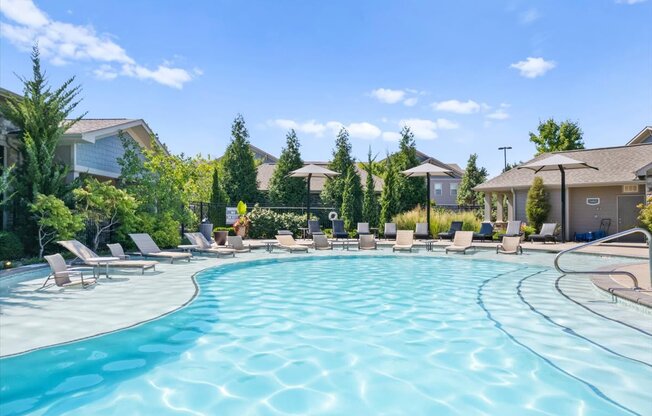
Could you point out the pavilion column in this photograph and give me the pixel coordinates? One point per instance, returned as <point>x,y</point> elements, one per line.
<point>487,206</point>
<point>510,207</point>
<point>499,207</point>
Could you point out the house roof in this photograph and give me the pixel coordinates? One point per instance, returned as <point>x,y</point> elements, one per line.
<point>265,171</point>
<point>642,136</point>
<point>88,125</point>
<point>616,166</point>
<point>424,158</point>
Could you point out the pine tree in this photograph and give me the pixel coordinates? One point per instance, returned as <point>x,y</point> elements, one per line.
<point>555,137</point>
<point>412,191</point>
<point>370,206</point>
<point>537,206</point>
<point>472,178</point>
<point>342,160</point>
<point>219,199</point>
<point>284,190</point>
<point>238,166</point>
<point>389,202</point>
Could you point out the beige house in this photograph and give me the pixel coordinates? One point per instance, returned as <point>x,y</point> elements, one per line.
<point>623,179</point>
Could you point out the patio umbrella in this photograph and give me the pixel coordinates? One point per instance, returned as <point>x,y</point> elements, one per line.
<point>427,170</point>
<point>310,171</point>
<point>561,163</point>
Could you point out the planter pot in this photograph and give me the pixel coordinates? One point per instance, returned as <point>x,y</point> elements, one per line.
<point>242,231</point>
<point>220,237</point>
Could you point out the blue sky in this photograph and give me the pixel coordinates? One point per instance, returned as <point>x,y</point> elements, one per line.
<point>467,76</point>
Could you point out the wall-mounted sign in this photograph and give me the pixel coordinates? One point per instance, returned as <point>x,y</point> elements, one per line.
<point>231,215</point>
<point>592,201</point>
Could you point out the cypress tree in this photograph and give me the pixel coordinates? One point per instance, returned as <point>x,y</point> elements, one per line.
<point>412,191</point>
<point>537,206</point>
<point>472,178</point>
<point>351,199</point>
<point>389,203</point>
<point>219,199</point>
<point>239,167</point>
<point>370,207</point>
<point>342,160</point>
<point>285,190</point>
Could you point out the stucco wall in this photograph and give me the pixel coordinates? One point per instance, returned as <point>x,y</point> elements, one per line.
<point>585,217</point>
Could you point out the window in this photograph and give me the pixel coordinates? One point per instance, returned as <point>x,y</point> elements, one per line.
<point>454,189</point>
<point>630,189</point>
<point>438,188</point>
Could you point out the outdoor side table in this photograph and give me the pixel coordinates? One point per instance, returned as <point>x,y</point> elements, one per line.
<point>374,230</point>
<point>99,262</point>
<point>188,247</point>
<point>269,245</point>
<point>429,244</point>
<point>303,232</point>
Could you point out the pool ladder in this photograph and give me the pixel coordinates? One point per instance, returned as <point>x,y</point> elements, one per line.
<point>645,232</point>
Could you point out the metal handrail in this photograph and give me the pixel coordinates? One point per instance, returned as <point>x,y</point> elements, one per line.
<point>645,232</point>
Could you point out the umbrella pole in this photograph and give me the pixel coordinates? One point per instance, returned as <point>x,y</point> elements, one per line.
<point>563,204</point>
<point>308,200</point>
<point>428,202</point>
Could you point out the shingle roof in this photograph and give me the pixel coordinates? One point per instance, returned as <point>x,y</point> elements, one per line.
<point>265,171</point>
<point>92,124</point>
<point>616,165</point>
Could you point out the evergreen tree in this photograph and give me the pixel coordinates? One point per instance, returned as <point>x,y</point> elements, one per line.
<point>351,199</point>
<point>41,115</point>
<point>219,199</point>
<point>370,206</point>
<point>555,137</point>
<point>473,176</point>
<point>412,191</point>
<point>389,198</point>
<point>239,168</point>
<point>285,190</point>
<point>537,206</point>
<point>342,160</point>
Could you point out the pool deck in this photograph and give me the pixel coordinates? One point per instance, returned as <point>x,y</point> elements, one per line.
<point>32,318</point>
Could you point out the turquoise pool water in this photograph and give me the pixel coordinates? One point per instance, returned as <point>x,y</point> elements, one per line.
<point>350,335</point>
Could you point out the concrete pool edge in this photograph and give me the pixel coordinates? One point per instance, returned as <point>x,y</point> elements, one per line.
<point>209,263</point>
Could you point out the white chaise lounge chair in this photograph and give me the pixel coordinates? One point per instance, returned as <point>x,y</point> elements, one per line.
<point>404,240</point>
<point>148,248</point>
<point>287,242</point>
<point>462,241</point>
<point>85,254</point>
<point>205,246</point>
<point>510,245</point>
<point>61,273</point>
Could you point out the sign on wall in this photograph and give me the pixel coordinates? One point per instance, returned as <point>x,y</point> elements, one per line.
<point>231,215</point>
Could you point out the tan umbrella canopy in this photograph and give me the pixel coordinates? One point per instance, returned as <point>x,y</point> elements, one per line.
<point>428,170</point>
<point>562,164</point>
<point>308,172</point>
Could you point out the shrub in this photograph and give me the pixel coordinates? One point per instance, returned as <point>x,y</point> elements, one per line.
<point>230,230</point>
<point>537,206</point>
<point>528,230</point>
<point>11,247</point>
<point>645,215</point>
<point>265,222</point>
<point>440,219</point>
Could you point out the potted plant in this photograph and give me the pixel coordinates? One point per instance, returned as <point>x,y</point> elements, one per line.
<point>241,226</point>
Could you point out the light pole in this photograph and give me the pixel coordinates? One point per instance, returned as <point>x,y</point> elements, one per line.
<point>505,149</point>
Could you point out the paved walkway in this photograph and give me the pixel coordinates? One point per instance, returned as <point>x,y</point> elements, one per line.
<point>33,318</point>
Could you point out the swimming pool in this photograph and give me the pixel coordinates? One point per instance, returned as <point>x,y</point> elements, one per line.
<point>351,335</point>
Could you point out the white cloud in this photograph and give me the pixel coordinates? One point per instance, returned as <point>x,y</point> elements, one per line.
<point>423,129</point>
<point>363,130</point>
<point>533,67</point>
<point>63,43</point>
<point>445,124</point>
<point>529,16</point>
<point>411,102</point>
<point>630,1</point>
<point>456,106</point>
<point>310,126</point>
<point>388,96</point>
<point>499,114</point>
<point>391,136</point>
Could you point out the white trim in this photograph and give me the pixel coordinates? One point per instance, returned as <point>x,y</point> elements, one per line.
<point>77,169</point>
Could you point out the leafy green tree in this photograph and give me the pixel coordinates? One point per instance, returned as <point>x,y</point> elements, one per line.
<point>473,176</point>
<point>104,206</point>
<point>342,160</point>
<point>41,115</point>
<point>412,191</point>
<point>351,199</point>
<point>54,220</point>
<point>283,189</point>
<point>389,198</point>
<point>511,166</point>
<point>645,215</point>
<point>6,183</point>
<point>239,176</point>
<point>370,206</point>
<point>555,137</point>
<point>537,205</point>
<point>219,199</point>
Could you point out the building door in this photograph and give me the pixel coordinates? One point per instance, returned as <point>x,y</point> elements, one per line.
<point>628,214</point>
